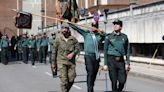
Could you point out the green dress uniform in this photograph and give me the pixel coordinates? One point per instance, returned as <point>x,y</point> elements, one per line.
<point>66,66</point>
<point>43,49</point>
<point>32,47</point>
<point>25,49</point>
<point>4,46</point>
<point>19,49</point>
<point>50,46</point>
<point>38,40</point>
<point>91,59</point>
<point>117,46</point>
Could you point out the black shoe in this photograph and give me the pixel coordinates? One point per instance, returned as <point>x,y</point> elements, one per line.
<point>25,62</point>
<point>54,74</point>
<point>33,64</point>
<point>5,63</point>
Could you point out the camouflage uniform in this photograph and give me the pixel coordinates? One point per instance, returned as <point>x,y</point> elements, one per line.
<point>66,66</point>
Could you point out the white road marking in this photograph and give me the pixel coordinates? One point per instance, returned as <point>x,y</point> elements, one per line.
<point>77,87</point>
<point>34,67</point>
<point>49,74</point>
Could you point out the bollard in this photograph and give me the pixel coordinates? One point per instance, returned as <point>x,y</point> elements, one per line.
<point>106,82</point>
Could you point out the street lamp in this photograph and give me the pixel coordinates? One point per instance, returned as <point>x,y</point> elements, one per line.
<point>132,4</point>
<point>42,12</point>
<point>84,14</point>
<point>105,17</point>
<point>18,10</point>
<point>96,18</point>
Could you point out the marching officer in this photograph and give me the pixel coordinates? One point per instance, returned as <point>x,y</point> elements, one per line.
<point>32,47</point>
<point>25,48</point>
<point>117,46</point>
<point>43,48</point>
<point>64,52</point>
<point>4,48</point>
<point>19,48</point>
<point>50,46</point>
<point>38,40</point>
<point>92,42</point>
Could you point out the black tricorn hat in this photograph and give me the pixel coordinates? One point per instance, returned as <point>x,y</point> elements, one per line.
<point>117,21</point>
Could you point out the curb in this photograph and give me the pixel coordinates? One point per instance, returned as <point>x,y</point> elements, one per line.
<point>145,76</point>
<point>145,60</point>
<point>133,73</point>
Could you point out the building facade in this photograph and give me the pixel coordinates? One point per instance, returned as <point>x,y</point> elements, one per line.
<point>144,26</point>
<point>48,7</point>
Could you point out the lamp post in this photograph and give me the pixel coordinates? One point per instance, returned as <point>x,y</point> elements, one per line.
<point>132,4</point>
<point>18,10</point>
<point>42,12</point>
<point>83,14</point>
<point>45,12</point>
<point>105,17</point>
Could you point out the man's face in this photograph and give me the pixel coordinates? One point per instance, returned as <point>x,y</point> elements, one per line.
<point>32,36</point>
<point>117,28</point>
<point>64,29</point>
<point>66,32</point>
<point>54,36</point>
<point>4,37</point>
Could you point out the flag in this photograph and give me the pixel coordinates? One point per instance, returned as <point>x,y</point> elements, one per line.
<point>23,20</point>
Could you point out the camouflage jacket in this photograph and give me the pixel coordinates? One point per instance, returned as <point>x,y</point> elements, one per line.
<point>61,49</point>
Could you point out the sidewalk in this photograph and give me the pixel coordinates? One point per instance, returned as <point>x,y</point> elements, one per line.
<point>153,72</point>
<point>140,67</point>
<point>140,59</point>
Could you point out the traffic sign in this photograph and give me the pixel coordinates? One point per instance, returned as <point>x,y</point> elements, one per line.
<point>82,11</point>
<point>96,16</point>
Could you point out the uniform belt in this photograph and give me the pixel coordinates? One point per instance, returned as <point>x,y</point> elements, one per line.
<point>32,48</point>
<point>117,58</point>
<point>90,54</point>
<point>44,46</point>
<point>4,47</point>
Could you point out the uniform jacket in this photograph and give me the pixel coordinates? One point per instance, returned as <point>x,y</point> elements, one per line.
<point>62,48</point>
<point>4,43</point>
<point>88,41</point>
<point>116,45</point>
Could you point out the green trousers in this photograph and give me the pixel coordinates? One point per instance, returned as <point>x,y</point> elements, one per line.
<point>117,73</point>
<point>67,76</point>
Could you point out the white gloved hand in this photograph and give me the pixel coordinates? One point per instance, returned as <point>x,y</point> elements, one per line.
<point>105,68</point>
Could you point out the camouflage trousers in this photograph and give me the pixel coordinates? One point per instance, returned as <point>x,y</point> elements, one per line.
<point>67,76</point>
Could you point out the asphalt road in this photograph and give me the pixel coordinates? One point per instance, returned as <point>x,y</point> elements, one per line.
<point>20,77</point>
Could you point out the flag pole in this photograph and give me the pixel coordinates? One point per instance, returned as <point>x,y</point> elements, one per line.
<point>61,20</point>
<point>58,13</point>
